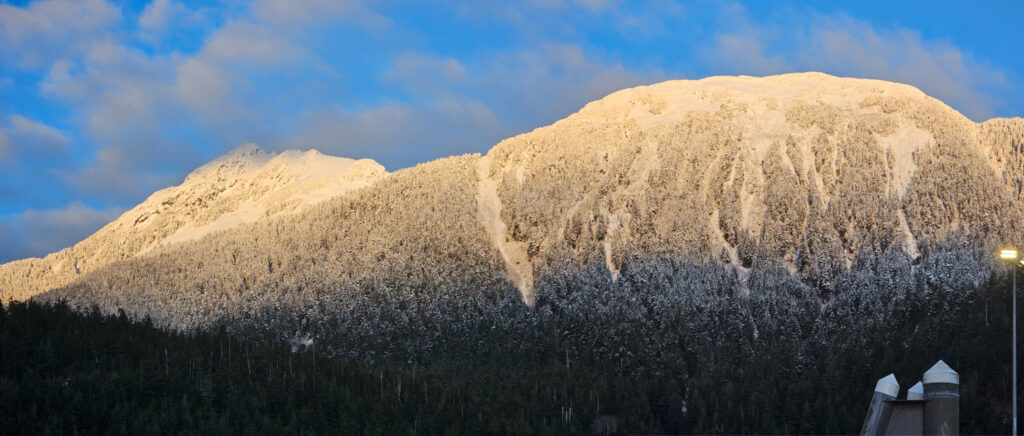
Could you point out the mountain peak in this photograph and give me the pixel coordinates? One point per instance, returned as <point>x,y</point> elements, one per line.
<point>245,185</point>
<point>248,184</point>
<point>241,158</point>
<point>247,149</point>
<point>667,101</point>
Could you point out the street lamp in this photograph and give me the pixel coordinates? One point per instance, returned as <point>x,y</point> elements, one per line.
<point>1011,256</point>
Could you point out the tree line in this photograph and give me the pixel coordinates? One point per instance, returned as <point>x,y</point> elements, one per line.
<point>672,346</point>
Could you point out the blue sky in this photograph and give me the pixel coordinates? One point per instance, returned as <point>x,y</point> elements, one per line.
<point>103,102</point>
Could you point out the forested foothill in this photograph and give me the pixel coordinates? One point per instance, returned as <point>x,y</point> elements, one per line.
<point>670,347</point>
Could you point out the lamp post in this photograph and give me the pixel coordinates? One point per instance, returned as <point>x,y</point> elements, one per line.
<point>1011,257</point>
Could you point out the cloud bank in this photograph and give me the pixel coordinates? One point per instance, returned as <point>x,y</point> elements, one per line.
<point>847,47</point>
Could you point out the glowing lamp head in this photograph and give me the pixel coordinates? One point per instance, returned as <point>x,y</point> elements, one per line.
<point>1008,254</point>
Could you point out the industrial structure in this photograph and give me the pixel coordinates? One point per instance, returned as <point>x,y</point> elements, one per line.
<point>931,407</point>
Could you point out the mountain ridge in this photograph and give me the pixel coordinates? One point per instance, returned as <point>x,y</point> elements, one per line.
<point>818,171</point>
<point>241,186</point>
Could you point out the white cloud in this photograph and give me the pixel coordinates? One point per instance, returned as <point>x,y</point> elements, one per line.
<point>161,16</point>
<point>120,95</point>
<point>158,15</point>
<point>131,172</point>
<point>744,47</point>
<point>397,133</point>
<point>38,135</point>
<point>847,47</point>
<point>538,86</point>
<point>425,74</point>
<point>39,232</point>
<point>147,107</point>
<point>552,21</point>
<point>296,14</point>
<point>551,80</point>
<point>650,19</point>
<point>466,105</point>
<point>5,146</point>
<point>595,5</point>
<point>850,47</point>
<point>143,110</point>
<point>201,86</point>
<point>43,31</point>
<point>130,108</point>
<point>252,44</point>
<point>23,138</point>
<point>745,53</point>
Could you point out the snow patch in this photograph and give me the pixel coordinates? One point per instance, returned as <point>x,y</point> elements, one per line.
<point>300,343</point>
<point>909,242</point>
<point>517,262</point>
<point>614,222</point>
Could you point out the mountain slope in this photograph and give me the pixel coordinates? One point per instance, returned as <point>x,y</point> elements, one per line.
<point>814,168</point>
<point>245,185</point>
<point>819,172</point>
<point>414,233</point>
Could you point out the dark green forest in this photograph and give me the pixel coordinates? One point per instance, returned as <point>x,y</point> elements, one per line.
<point>670,347</point>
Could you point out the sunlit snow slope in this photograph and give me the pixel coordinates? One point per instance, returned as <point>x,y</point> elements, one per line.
<point>814,170</point>
<point>243,186</point>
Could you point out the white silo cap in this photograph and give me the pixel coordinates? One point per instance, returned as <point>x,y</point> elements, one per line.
<point>888,386</point>
<point>916,392</point>
<point>941,373</point>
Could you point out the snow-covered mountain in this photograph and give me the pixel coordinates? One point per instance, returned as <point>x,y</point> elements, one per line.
<point>814,168</point>
<point>816,171</point>
<point>243,186</point>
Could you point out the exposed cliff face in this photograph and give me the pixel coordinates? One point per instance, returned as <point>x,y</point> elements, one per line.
<point>817,171</point>
<point>243,186</point>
